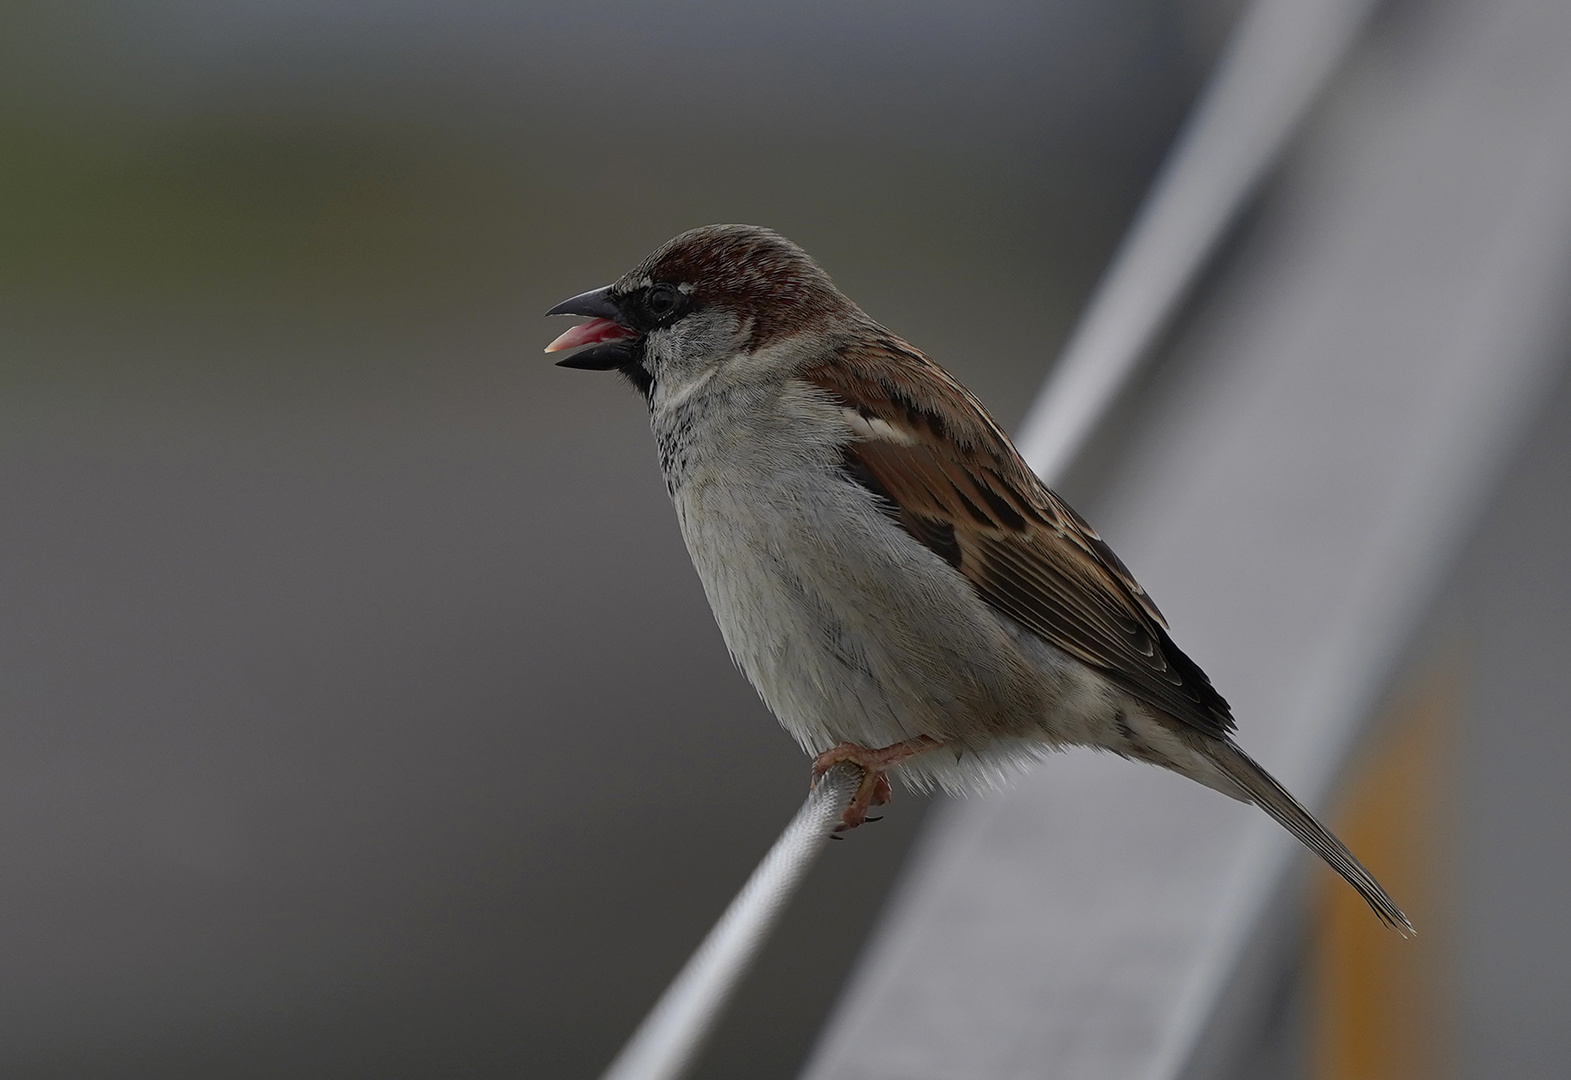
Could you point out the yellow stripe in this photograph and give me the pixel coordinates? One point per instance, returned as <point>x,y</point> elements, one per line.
<point>1381,1007</point>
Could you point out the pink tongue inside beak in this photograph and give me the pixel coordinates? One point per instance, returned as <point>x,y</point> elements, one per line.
<point>593,332</point>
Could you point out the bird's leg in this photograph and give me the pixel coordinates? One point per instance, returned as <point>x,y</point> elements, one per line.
<point>874,788</point>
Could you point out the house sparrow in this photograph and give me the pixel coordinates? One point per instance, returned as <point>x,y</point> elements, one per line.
<point>891,576</point>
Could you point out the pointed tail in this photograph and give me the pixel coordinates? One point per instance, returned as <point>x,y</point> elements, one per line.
<point>1275,800</point>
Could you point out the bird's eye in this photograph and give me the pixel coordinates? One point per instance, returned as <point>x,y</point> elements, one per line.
<point>662,300</point>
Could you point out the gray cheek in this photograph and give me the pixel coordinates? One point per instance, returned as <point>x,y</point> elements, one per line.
<point>659,361</point>
<point>694,345</point>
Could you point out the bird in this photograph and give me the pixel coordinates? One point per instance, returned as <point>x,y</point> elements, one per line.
<point>901,589</point>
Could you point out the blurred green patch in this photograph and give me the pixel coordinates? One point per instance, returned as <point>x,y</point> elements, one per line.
<point>308,212</point>
<point>313,209</point>
<point>294,252</point>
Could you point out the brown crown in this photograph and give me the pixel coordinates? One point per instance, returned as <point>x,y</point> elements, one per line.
<point>753,271</point>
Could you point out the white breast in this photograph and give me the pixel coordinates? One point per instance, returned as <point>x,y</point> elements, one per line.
<point>849,629</point>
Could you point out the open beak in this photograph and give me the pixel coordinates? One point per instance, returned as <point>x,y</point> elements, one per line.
<point>610,342</point>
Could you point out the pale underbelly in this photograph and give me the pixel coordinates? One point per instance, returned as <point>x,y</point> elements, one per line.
<point>853,633</point>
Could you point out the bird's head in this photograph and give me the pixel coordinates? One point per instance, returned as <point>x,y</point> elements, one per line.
<point>702,299</point>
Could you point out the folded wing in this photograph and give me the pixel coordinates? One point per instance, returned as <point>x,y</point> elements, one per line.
<point>951,478</point>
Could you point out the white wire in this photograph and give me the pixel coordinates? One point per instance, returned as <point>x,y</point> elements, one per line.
<point>675,1030</point>
<point>1278,58</point>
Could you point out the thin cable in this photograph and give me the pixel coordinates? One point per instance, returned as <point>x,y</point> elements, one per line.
<point>1275,64</point>
<point>676,1029</point>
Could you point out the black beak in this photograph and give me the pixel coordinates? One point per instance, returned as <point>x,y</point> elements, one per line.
<point>594,304</point>
<point>613,345</point>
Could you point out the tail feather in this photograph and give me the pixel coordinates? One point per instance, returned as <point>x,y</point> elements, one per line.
<point>1275,800</point>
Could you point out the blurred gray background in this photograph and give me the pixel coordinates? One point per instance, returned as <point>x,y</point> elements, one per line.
<point>360,714</point>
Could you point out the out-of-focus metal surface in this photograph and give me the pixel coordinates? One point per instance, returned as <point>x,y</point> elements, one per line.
<point>1338,409</point>
<point>1513,811</point>
<point>1274,67</point>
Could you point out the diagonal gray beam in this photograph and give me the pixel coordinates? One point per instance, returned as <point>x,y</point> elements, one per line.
<point>1350,388</point>
<point>1276,63</point>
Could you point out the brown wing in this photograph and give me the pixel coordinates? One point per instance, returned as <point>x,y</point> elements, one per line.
<point>954,481</point>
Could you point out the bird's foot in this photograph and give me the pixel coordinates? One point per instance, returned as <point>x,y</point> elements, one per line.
<point>874,789</point>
